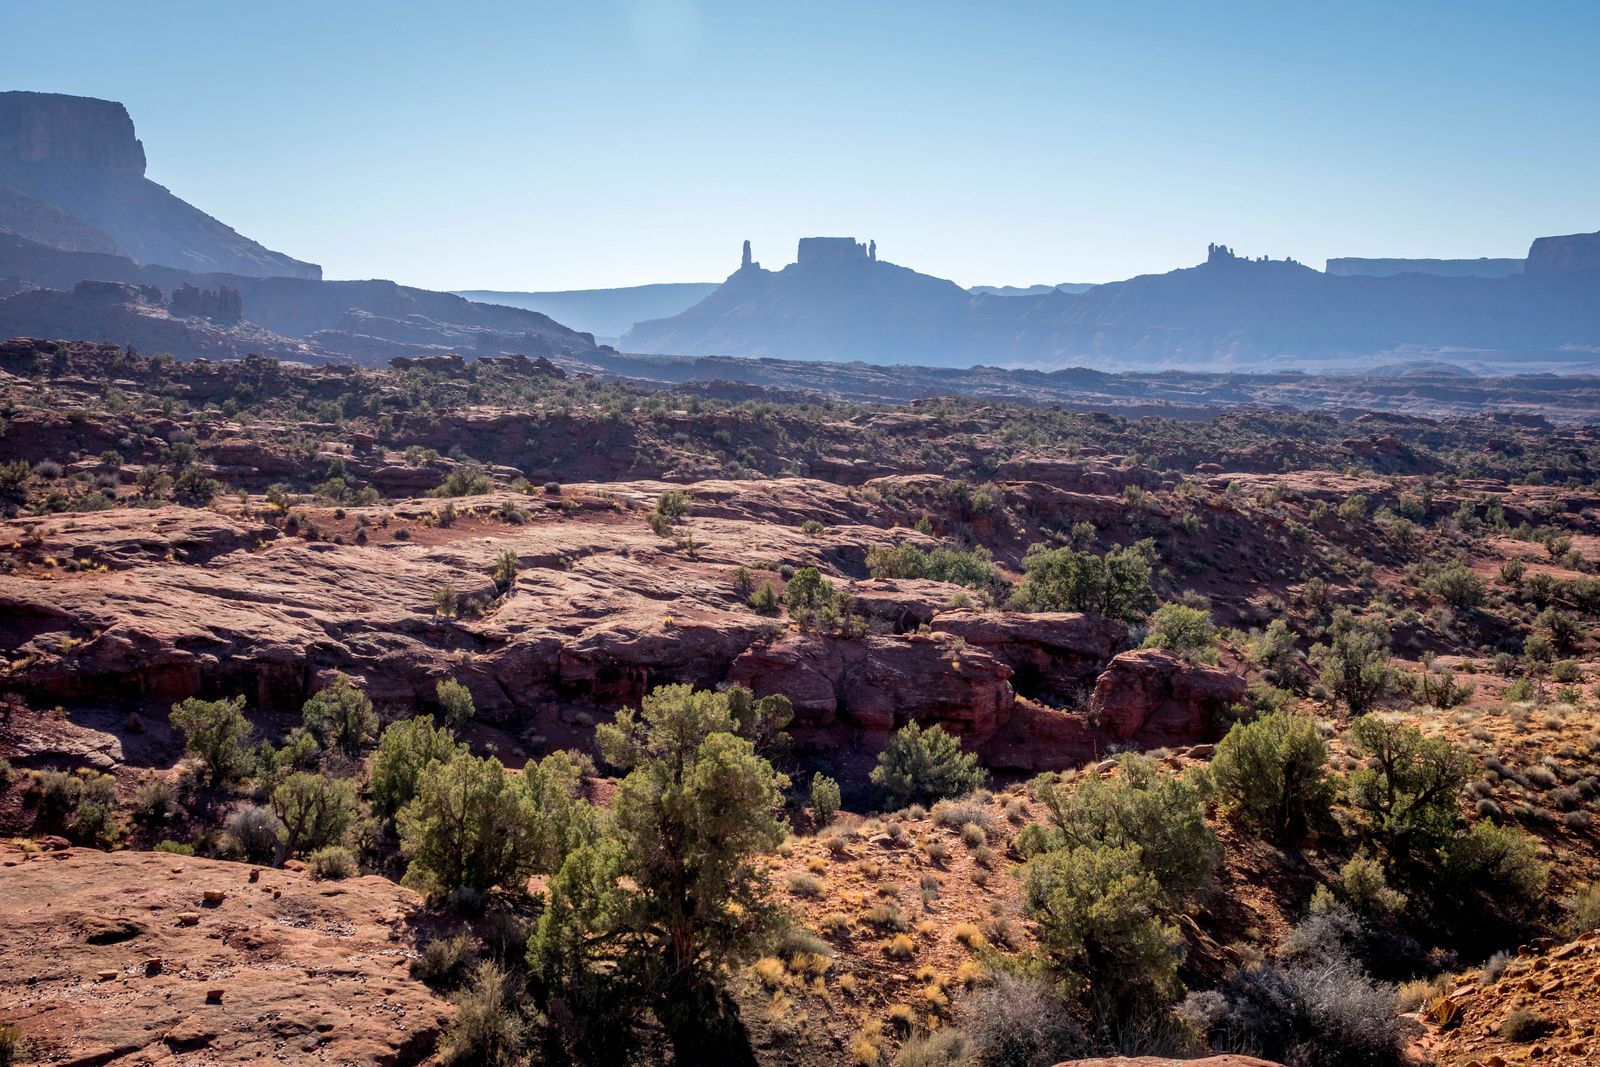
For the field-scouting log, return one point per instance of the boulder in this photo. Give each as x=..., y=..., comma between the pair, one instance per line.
x=1152, y=698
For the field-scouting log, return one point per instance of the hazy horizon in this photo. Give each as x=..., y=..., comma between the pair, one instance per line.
x=640, y=142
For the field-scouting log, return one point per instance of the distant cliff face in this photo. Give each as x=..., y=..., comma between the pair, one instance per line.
x=72, y=177
x=838, y=304
x=838, y=301
x=1562, y=255
x=1352, y=266
x=47, y=127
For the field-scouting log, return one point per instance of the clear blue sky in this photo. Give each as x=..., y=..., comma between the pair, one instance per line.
x=610, y=142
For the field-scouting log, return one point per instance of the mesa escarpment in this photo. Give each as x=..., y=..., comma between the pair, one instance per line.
x=79, y=157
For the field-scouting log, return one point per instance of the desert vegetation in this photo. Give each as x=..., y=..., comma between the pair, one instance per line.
x=775, y=729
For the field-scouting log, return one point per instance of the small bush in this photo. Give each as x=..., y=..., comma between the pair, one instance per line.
x=1319, y=1015
x=332, y=863
x=885, y=916
x=1184, y=630
x=824, y=799
x=6, y=775
x=487, y=1027
x=341, y=715
x=802, y=884
x=1524, y=1025
x=253, y=831
x=156, y=800
x=1583, y=911
x=444, y=962
x=924, y=765
x=1021, y=1022
x=969, y=935
x=946, y=1047
x=176, y=848
x=1273, y=772
x=455, y=703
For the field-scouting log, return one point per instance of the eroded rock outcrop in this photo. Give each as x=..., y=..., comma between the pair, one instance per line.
x=876, y=684
x=121, y=956
x=1151, y=698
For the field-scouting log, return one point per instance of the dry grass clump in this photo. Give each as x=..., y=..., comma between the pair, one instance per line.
x=834, y=924
x=957, y=814
x=969, y=935
x=770, y=971
x=886, y=916
x=802, y=884
x=899, y=947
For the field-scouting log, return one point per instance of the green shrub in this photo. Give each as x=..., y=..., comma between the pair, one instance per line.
x=340, y=715
x=824, y=799
x=1495, y=871
x=674, y=503
x=924, y=765
x=332, y=863
x=1354, y=664
x=464, y=481
x=1116, y=585
x=1098, y=916
x=1276, y=651
x=1455, y=585
x=1159, y=815
x=765, y=599
x=6, y=775
x=973, y=569
x=1184, y=630
x=404, y=750
x=315, y=810
x=812, y=599
x=1405, y=796
x=455, y=703
x=176, y=848
x=1273, y=772
x=215, y=732
x=470, y=826
x=1434, y=687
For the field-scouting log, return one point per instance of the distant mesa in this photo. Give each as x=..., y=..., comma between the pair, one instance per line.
x=72, y=177
x=1355, y=266
x=839, y=302
x=1573, y=253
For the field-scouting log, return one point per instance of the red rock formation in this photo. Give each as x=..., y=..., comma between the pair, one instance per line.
x=1152, y=698
x=876, y=684
x=151, y=957
x=1053, y=655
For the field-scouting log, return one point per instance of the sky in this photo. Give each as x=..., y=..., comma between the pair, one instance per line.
x=598, y=143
